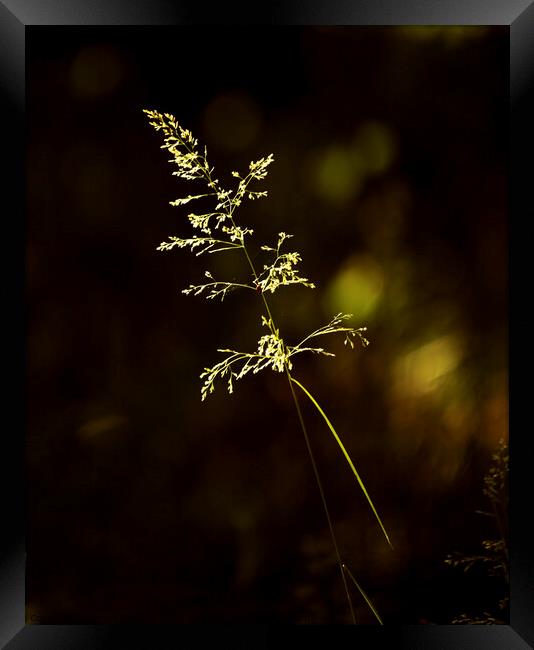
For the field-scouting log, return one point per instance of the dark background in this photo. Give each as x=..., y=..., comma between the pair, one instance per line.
x=390, y=150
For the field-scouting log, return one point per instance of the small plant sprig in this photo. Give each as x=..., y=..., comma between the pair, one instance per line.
x=216, y=231
x=494, y=555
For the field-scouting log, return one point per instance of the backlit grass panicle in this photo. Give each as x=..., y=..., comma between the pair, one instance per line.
x=282, y=271
x=219, y=232
x=214, y=231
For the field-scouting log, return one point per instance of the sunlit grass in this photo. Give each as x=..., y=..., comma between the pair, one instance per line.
x=216, y=231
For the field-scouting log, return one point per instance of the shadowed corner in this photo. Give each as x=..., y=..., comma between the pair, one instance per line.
x=474, y=637
x=12, y=63
x=52, y=637
x=521, y=54
x=521, y=446
x=108, y=12
x=12, y=58
x=12, y=592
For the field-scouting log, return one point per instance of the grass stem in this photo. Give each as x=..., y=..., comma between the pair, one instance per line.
x=321, y=491
x=362, y=592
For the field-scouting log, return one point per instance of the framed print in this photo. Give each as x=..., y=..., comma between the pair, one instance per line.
x=259, y=339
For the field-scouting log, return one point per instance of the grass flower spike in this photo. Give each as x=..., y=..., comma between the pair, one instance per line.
x=215, y=230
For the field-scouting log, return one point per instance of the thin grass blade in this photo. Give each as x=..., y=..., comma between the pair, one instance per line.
x=338, y=440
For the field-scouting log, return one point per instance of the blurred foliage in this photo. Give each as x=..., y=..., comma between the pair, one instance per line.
x=391, y=151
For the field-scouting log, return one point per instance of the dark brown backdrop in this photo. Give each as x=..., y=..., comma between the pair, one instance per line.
x=390, y=150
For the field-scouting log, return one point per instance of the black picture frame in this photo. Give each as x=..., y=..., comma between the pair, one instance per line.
x=15, y=18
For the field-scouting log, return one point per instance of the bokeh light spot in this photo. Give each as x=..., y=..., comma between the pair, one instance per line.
x=420, y=371
x=339, y=174
x=356, y=288
x=375, y=143
x=96, y=70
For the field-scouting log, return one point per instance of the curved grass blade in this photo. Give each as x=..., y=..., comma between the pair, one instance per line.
x=331, y=427
x=362, y=592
